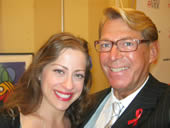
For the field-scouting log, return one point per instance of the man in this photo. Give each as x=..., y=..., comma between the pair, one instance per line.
x=128, y=45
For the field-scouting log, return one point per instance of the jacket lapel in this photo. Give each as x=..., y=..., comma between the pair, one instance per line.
x=146, y=101
x=96, y=100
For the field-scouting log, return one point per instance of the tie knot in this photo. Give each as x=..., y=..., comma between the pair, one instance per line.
x=117, y=107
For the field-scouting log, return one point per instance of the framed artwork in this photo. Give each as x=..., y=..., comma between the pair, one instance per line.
x=12, y=66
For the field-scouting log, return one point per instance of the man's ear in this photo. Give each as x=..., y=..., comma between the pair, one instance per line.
x=154, y=51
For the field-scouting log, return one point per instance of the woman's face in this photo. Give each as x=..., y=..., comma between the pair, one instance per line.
x=62, y=80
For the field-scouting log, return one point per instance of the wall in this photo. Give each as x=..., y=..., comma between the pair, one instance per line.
x=17, y=26
x=47, y=20
x=123, y=3
x=161, y=18
x=76, y=17
x=1, y=22
x=26, y=25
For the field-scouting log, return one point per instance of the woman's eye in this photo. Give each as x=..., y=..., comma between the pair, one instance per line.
x=59, y=71
x=80, y=76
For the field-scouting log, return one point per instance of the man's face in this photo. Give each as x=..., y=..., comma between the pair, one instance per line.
x=126, y=71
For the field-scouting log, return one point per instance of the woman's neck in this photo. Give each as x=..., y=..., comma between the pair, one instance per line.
x=40, y=120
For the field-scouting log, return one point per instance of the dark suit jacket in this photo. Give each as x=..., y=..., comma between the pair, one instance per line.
x=153, y=99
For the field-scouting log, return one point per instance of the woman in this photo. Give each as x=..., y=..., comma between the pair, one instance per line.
x=51, y=92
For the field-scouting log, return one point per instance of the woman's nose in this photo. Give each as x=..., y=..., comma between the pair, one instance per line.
x=68, y=83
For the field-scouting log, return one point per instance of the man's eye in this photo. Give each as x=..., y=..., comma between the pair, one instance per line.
x=105, y=45
x=128, y=43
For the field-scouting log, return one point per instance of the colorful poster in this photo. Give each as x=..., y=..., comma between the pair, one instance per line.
x=10, y=72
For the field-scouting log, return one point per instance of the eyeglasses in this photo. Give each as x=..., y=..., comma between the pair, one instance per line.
x=123, y=45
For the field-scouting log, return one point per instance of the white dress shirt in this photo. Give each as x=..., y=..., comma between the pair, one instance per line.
x=103, y=113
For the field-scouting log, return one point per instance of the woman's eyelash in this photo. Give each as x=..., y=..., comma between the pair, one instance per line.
x=80, y=75
x=58, y=71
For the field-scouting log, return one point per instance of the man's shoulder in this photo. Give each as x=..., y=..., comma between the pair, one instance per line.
x=161, y=92
x=166, y=94
x=95, y=100
x=103, y=92
x=153, y=82
x=97, y=97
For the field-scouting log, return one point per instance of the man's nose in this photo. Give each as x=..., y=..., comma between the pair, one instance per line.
x=114, y=52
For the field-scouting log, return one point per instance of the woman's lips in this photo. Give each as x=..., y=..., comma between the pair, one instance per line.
x=64, y=96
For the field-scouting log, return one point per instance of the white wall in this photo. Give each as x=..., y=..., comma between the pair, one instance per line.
x=161, y=17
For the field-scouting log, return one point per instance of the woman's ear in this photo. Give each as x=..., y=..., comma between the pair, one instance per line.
x=154, y=51
x=39, y=78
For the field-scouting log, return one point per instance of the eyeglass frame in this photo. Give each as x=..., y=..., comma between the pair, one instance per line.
x=138, y=41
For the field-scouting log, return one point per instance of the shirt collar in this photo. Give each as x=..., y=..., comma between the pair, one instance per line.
x=126, y=101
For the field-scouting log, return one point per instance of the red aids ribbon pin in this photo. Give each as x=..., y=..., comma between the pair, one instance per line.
x=138, y=115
